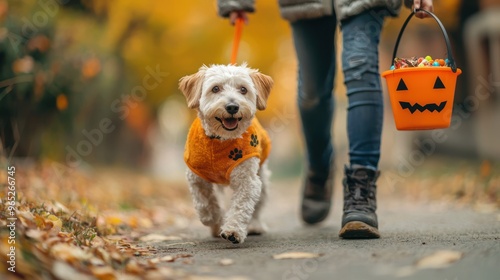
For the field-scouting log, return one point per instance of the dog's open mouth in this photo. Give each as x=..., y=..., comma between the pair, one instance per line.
x=229, y=124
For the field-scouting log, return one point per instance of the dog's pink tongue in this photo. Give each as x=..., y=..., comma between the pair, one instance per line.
x=230, y=123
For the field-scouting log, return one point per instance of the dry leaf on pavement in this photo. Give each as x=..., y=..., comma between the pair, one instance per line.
x=439, y=259
x=296, y=255
x=226, y=261
x=153, y=237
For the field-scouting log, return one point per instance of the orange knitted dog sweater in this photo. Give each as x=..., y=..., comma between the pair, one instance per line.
x=213, y=159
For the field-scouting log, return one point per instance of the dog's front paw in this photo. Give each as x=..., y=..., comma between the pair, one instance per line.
x=233, y=236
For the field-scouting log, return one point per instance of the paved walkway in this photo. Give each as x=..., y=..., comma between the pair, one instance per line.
x=415, y=235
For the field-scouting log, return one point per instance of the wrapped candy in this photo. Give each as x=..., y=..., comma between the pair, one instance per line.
x=426, y=61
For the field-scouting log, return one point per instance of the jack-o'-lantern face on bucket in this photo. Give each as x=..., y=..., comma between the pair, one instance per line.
x=431, y=107
x=421, y=98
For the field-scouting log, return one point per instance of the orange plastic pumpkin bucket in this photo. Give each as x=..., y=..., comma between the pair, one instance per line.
x=422, y=97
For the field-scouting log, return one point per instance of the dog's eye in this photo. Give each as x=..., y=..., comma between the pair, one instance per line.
x=243, y=90
x=215, y=89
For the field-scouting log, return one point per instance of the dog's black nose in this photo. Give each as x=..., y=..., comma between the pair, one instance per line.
x=232, y=108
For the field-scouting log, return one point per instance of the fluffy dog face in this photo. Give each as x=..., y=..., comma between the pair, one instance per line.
x=226, y=97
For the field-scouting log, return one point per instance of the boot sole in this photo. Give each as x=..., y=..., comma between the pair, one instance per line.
x=358, y=230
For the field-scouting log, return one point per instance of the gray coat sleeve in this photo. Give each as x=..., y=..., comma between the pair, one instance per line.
x=225, y=7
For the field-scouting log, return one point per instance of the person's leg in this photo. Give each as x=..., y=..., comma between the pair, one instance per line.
x=361, y=36
x=315, y=47
x=360, y=64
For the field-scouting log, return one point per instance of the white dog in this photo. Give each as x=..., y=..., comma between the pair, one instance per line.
x=227, y=146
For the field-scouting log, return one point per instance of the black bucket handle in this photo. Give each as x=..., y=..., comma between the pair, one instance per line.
x=451, y=61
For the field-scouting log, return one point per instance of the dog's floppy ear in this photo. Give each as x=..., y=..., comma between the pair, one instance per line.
x=263, y=84
x=191, y=87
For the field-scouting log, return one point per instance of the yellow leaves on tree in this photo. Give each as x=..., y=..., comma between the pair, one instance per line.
x=181, y=36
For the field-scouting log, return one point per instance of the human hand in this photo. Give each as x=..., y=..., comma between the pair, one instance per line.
x=425, y=5
x=239, y=14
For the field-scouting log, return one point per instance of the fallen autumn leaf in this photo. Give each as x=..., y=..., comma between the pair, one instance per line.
x=296, y=255
x=226, y=261
x=153, y=237
x=439, y=259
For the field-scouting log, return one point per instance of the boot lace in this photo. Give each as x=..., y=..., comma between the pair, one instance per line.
x=360, y=194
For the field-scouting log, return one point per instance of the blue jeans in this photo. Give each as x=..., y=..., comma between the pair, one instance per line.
x=314, y=41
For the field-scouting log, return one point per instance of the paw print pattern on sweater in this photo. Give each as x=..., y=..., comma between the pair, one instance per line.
x=236, y=154
x=255, y=141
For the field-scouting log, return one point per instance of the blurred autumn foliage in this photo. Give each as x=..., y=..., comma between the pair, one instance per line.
x=73, y=71
x=69, y=64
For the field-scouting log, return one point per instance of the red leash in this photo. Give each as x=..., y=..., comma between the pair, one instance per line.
x=238, y=28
